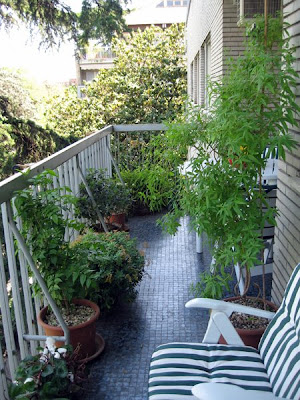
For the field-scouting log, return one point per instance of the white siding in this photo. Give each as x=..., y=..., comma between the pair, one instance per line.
x=205, y=18
x=216, y=20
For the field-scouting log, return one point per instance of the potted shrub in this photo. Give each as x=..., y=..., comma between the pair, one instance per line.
x=116, y=262
x=112, y=198
x=41, y=208
x=250, y=111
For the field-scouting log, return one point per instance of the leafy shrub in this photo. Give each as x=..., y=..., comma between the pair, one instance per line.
x=151, y=187
x=111, y=196
x=118, y=264
x=147, y=84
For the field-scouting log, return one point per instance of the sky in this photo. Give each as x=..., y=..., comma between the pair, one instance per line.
x=19, y=50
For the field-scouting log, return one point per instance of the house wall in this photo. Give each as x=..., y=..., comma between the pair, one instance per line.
x=216, y=20
x=287, y=233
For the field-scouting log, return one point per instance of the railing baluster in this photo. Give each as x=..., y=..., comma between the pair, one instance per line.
x=6, y=320
x=12, y=266
x=3, y=382
x=30, y=319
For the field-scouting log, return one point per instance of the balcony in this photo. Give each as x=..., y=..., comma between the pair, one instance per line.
x=132, y=331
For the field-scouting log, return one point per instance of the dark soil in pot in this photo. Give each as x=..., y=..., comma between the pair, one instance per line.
x=250, y=328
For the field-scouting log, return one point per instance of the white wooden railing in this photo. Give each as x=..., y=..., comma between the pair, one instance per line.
x=19, y=308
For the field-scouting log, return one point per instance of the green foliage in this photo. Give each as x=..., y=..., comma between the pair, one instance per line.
x=55, y=21
x=153, y=178
x=150, y=187
x=15, y=98
x=117, y=262
x=48, y=375
x=147, y=84
x=110, y=195
x=211, y=285
x=22, y=141
x=251, y=110
x=41, y=208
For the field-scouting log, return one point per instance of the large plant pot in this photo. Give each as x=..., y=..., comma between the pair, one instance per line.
x=250, y=337
x=118, y=221
x=83, y=334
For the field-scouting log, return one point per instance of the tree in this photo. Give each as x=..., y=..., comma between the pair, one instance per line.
x=15, y=98
x=147, y=84
x=55, y=20
x=21, y=139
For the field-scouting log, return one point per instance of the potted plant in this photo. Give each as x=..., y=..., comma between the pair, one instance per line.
x=51, y=374
x=112, y=199
x=250, y=111
x=117, y=263
x=41, y=207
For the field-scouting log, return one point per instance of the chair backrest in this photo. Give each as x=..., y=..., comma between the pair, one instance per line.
x=280, y=344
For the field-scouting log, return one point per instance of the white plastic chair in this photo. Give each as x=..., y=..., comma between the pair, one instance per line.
x=207, y=370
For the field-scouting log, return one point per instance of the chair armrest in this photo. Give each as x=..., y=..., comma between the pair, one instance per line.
x=228, y=308
x=213, y=391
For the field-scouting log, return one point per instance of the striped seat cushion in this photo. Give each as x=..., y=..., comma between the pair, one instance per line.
x=280, y=344
x=176, y=367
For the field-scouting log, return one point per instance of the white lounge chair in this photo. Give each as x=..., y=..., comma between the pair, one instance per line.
x=210, y=371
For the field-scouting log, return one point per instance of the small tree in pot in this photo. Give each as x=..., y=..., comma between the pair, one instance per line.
x=250, y=111
x=41, y=208
x=112, y=197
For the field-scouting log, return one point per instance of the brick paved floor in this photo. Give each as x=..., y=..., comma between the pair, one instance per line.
x=133, y=331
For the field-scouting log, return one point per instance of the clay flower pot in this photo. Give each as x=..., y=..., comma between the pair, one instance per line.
x=250, y=337
x=83, y=334
x=118, y=220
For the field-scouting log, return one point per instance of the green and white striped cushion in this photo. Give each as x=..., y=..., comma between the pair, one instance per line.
x=176, y=367
x=280, y=344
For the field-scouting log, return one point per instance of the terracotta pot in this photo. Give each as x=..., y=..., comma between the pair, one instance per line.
x=250, y=337
x=83, y=334
x=118, y=219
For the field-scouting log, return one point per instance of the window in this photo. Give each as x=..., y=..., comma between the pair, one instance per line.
x=205, y=71
x=172, y=3
x=249, y=8
x=195, y=79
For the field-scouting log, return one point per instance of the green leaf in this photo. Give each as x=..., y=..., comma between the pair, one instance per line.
x=48, y=370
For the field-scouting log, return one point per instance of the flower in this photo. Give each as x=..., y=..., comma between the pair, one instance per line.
x=45, y=351
x=62, y=350
x=27, y=380
x=56, y=354
x=43, y=359
x=71, y=377
x=50, y=344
